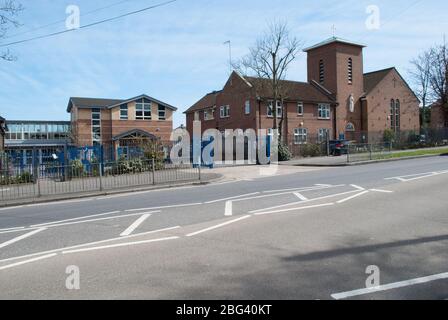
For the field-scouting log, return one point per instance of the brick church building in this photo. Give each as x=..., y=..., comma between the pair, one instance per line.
x=338, y=99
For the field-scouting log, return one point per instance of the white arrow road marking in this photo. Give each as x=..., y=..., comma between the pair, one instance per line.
x=417, y=176
x=357, y=187
x=218, y=226
x=353, y=197
x=300, y=196
x=27, y=261
x=126, y=244
x=24, y=236
x=396, y=285
x=294, y=209
x=135, y=225
x=302, y=202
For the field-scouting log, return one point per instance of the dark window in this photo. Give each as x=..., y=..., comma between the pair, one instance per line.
x=124, y=112
x=162, y=113
x=321, y=71
x=350, y=70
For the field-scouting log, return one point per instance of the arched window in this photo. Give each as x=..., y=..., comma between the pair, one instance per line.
x=350, y=70
x=350, y=127
x=392, y=114
x=321, y=72
x=397, y=115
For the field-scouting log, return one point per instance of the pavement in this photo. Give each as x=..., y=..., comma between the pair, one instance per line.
x=309, y=234
x=332, y=161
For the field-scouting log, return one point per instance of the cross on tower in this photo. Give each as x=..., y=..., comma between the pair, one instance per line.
x=333, y=28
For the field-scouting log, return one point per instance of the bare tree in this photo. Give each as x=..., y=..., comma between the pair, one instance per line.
x=421, y=75
x=9, y=9
x=269, y=61
x=439, y=73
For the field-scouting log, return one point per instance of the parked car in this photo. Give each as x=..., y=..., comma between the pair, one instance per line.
x=339, y=147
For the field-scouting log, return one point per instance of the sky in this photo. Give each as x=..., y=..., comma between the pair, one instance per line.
x=177, y=54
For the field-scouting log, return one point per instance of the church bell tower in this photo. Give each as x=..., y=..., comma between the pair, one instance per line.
x=337, y=65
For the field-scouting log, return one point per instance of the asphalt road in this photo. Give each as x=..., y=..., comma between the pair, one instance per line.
x=309, y=235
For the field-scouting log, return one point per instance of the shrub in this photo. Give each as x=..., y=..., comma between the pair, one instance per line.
x=77, y=168
x=283, y=153
x=389, y=136
x=310, y=150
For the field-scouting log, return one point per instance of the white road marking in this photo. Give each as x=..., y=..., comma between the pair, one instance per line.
x=317, y=187
x=166, y=207
x=89, y=244
x=10, y=208
x=218, y=226
x=75, y=219
x=57, y=202
x=22, y=237
x=229, y=209
x=302, y=202
x=9, y=266
x=300, y=196
x=381, y=191
x=357, y=187
x=135, y=225
x=99, y=219
x=417, y=176
x=293, y=209
x=353, y=197
x=391, y=286
x=12, y=229
x=126, y=244
x=2, y=190
x=231, y=198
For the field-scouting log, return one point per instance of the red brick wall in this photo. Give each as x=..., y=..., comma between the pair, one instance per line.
x=335, y=57
x=379, y=100
x=439, y=117
x=111, y=128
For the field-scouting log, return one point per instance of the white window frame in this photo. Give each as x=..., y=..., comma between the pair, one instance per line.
x=300, y=108
x=124, y=107
x=322, y=133
x=145, y=108
x=300, y=136
x=161, y=110
x=324, y=111
x=224, y=112
x=247, y=107
x=208, y=114
x=269, y=110
x=96, y=112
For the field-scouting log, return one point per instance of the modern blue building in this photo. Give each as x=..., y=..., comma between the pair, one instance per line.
x=36, y=142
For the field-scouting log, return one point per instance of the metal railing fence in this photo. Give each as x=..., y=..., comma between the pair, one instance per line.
x=77, y=178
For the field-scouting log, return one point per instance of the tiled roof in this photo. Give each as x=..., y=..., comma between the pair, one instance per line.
x=208, y=101
x=298, y=91
x=372, y=79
